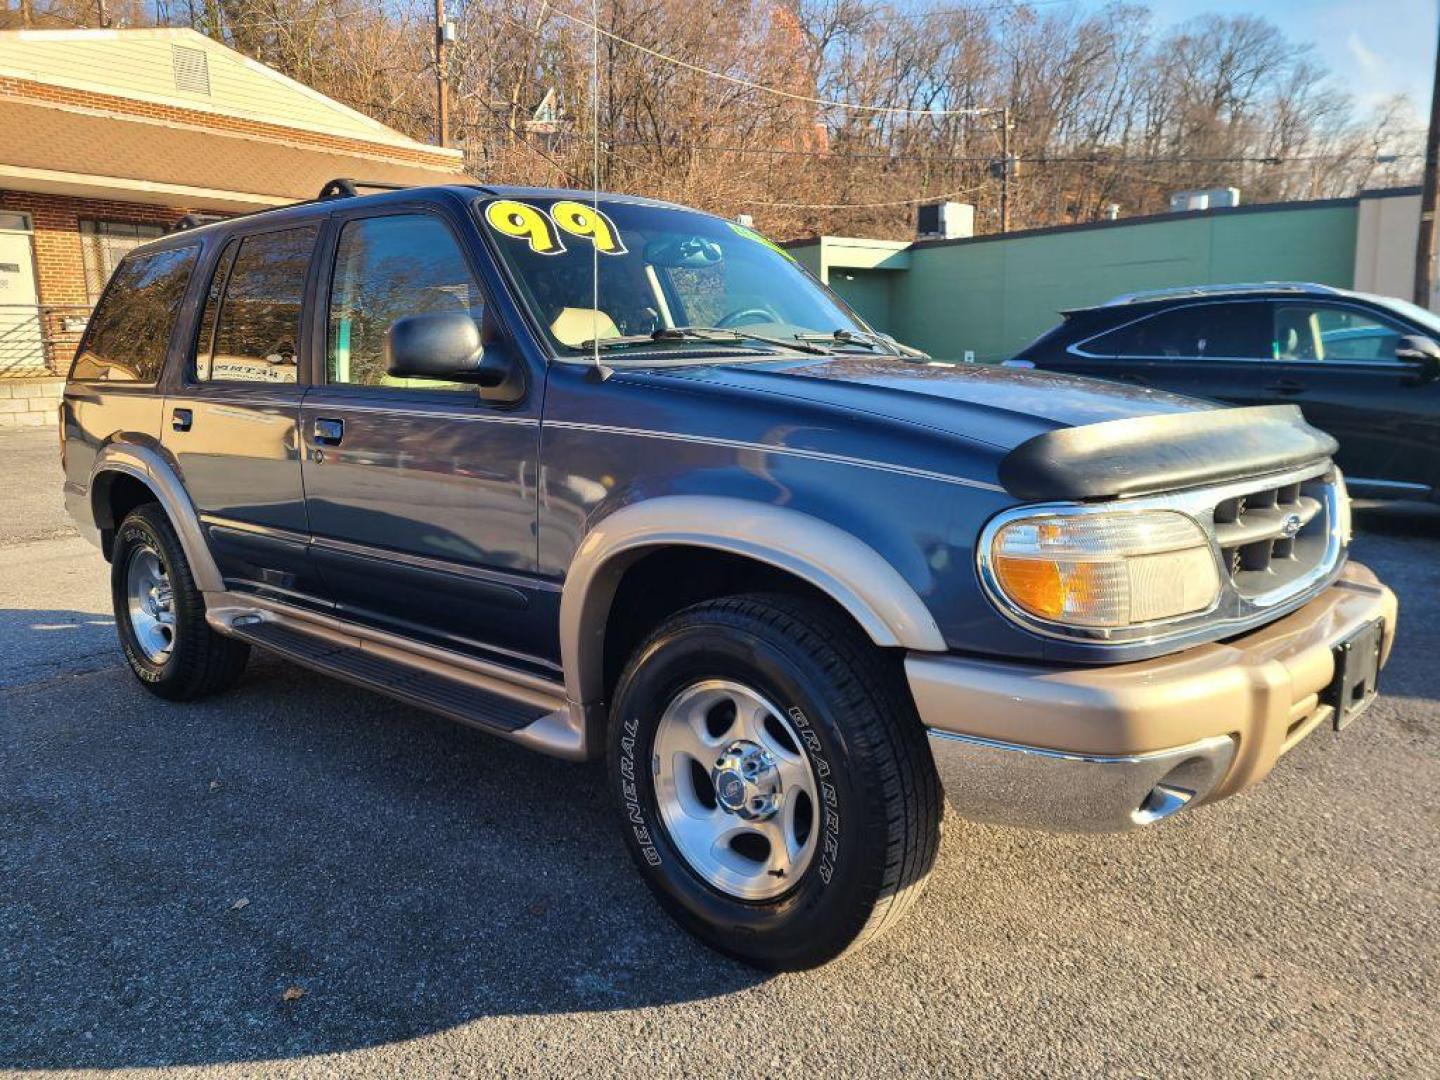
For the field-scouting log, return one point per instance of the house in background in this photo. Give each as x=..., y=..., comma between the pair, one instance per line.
x=109, y=137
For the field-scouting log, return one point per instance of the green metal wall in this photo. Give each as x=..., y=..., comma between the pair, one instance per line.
x=868, y=292
x=992, y=296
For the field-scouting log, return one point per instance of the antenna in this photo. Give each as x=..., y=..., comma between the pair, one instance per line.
x=595, y=177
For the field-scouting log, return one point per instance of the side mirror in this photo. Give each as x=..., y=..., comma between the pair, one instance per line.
x=1417, y=349
x=442, y=345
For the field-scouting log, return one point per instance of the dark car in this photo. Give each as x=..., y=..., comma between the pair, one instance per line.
x=1364, y=368
x=692, y=517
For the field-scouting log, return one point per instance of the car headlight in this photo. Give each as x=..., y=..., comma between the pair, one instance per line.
x=1105, y=568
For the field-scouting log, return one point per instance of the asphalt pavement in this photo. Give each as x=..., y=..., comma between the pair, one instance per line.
x=304, y=879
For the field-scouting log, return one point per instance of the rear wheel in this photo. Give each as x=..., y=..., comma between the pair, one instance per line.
x=160, y=613
x=778, y=793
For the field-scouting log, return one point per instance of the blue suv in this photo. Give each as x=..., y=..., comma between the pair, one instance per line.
x=619, y=480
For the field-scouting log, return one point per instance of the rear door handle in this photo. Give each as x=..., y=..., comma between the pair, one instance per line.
x=1285, y=386
x=328, y=431
x=181, y=419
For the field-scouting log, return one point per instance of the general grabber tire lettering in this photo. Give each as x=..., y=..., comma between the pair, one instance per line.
x=160, y=613
x=723, y=723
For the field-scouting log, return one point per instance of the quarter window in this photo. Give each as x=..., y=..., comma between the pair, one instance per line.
x=250, y=329
x=386, y=268
x=1320, y=332
x=1194, y=332
x=130, y=330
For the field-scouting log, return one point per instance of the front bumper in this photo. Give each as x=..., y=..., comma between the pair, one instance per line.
x=1104, y=749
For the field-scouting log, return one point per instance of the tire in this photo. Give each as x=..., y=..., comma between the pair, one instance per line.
x=875, y=819
x=160, y=613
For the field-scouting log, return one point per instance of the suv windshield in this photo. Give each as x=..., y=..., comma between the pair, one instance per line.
x=661, y=270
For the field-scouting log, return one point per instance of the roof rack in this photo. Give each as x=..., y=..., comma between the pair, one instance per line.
x=195, y=221
x=1146, y=295
x=343, y=187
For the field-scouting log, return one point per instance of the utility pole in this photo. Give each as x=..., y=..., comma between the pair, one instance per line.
x=1425, y=242
x=442, y=82
x=1005, y=169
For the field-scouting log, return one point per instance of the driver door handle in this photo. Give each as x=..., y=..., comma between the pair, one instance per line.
x=328, y=431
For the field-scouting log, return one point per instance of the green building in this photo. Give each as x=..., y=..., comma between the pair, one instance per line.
x=984, y=297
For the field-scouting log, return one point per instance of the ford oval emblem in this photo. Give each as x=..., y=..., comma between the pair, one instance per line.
x=1291, y=526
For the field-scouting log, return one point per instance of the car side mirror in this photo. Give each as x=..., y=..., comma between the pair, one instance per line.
x=443, y=345
x=1418, y=349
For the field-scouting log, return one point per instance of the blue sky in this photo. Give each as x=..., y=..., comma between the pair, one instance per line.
x=1374, y=47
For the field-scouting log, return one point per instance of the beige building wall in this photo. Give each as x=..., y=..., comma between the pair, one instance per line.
x=1385, y=235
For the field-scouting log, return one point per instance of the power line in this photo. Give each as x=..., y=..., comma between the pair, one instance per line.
x=866, y=205
x=750, y=84
x=1013, y=5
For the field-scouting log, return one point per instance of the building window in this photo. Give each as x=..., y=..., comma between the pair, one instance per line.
x=104, y=243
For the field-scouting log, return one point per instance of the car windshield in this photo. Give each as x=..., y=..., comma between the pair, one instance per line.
x=663, y=272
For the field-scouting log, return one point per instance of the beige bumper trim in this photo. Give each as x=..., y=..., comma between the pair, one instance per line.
x=1250, y=690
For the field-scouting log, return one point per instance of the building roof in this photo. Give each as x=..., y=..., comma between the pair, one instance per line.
x=171, y=116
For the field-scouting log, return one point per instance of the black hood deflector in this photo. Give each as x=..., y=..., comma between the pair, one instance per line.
x=1150, y=454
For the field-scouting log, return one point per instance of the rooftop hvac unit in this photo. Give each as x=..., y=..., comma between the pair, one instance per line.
x=944, y=221
x=1204, y=199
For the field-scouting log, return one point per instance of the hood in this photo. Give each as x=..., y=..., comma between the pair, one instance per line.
x=1000, y=406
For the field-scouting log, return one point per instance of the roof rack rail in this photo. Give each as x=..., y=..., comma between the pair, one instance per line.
x=342, y=187
x=195, y=221
x=1310, y=287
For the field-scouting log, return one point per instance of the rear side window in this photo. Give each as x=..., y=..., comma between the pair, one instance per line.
x=1195, y=332
x=130, y=330
x=250, y=329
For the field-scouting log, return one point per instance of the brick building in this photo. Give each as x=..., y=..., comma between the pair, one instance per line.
x=109, y=137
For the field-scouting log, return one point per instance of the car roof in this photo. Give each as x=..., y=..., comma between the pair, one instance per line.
x=349, y=193
x=1248, y=290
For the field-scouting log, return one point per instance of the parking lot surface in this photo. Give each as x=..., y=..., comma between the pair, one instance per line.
x=302, y=878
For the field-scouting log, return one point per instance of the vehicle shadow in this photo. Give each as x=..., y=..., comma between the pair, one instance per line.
x=297, y=867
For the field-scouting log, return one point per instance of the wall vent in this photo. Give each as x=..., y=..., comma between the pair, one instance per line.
x=192, y=69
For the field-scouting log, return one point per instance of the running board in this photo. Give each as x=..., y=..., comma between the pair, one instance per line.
x=512, y=704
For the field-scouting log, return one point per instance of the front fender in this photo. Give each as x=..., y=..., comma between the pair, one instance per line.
x=847, y=570
x=147, y=465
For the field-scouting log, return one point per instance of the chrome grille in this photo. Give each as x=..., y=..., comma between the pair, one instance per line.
x=1274, y=538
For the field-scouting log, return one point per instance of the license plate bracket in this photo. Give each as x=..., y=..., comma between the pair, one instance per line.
x=1357, y=671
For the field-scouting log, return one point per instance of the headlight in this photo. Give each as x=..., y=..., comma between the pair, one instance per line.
x=1105, y=569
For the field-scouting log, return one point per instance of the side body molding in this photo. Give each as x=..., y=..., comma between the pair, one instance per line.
x=849, y=571
x=148, y=466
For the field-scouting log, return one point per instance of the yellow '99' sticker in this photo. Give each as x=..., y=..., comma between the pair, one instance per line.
x=578, y=219
x=521, y=221
x=524, y=221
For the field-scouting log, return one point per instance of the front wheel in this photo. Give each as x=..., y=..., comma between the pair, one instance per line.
x=776, y=786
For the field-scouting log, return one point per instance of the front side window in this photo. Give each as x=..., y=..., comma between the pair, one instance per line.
x=130, y=330
x=658, y=268
x=1327, y=332
x=387, y=268
x=103, y=244
x=1194, y=332
x=250, y=329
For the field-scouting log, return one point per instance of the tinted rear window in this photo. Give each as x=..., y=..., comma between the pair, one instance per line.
x=1194, y=332
x=130, y=329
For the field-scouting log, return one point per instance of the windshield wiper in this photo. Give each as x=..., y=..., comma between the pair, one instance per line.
x=854, y=337
x=719, y=335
